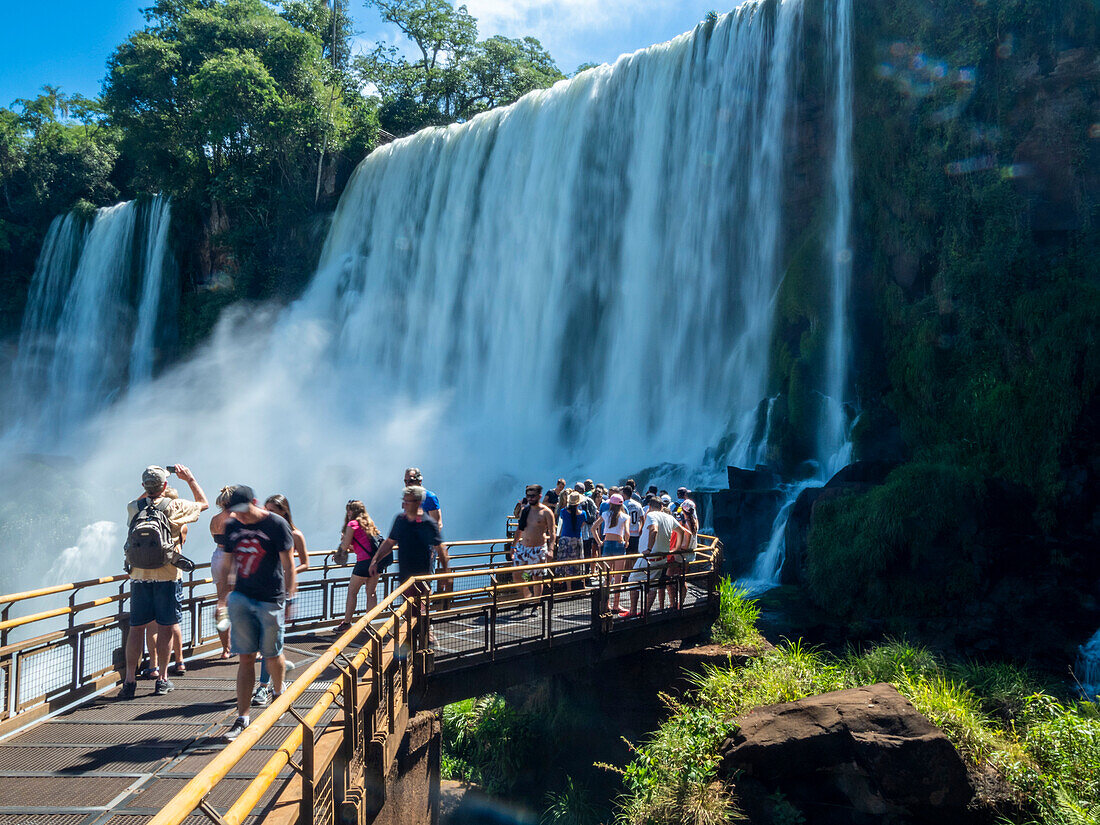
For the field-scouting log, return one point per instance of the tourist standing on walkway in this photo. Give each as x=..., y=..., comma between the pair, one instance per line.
x=593, y=502
x=441, y=562
x=590, y=514
x=415, y=534
x=659, y=529
x=280, y=506
x=534, y=539
x=220, y=568
x=612, y=534
x=260, y=543
x=364, y=538
x=572, y=522
x=687, y=515
x=634, y=515
x=156, y=594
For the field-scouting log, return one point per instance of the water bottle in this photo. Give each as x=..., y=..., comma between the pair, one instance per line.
x=221, y=619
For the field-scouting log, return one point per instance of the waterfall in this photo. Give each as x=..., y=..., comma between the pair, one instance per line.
x=1087, y=669
x=82, y=340
x=582, y=283
x=154, y=251
x=834, y=447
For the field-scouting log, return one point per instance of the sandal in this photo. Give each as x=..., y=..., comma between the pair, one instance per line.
x=149, y=673
x=340, y=628
x=177, y=670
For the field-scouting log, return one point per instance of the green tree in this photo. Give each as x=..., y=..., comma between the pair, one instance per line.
x=56, y=151
x=239, y=111
x=455, y=76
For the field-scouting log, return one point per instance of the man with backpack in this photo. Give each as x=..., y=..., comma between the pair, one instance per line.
x=156, y=526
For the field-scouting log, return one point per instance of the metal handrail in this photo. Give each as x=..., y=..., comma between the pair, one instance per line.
x=382, y=658
x=194, y=792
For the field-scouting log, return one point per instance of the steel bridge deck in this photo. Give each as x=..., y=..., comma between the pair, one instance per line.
x=109, y=762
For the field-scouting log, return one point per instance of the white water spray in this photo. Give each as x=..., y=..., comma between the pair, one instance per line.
x=581, y=283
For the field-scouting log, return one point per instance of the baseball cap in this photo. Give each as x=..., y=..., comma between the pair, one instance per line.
x=154, y=478
x=616, y=499
x=240, y=498
x=682, y=491
x=688, y=505
x=666, y=500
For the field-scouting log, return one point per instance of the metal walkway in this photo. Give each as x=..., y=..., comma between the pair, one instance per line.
x=162, y=759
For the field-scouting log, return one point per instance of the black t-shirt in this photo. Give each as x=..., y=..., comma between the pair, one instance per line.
x=256, y=549
x=415, y=540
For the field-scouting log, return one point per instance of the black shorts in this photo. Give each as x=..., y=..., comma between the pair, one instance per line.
x=632, y=548
x=362, y=568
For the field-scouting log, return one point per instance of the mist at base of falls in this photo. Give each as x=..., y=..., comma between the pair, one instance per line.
x=582, y=284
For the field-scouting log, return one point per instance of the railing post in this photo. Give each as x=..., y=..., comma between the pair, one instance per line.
x=493, y=626
x=5, y=615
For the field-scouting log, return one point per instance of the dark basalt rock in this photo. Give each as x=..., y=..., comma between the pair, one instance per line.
x=743, y=520
x=761, y=478
x=866, y=753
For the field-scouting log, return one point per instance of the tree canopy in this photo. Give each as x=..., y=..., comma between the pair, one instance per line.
x=455, y=76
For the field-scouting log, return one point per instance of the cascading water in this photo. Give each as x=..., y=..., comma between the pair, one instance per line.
x=1087, y=668
x=154, y=252
x=833, y=444
x=582, y=282
x=82, y=339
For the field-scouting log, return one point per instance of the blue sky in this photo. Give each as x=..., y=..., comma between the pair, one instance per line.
x=66, y=43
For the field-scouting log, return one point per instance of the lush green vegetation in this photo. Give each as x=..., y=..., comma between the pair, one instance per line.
x=976, y=229
x=737, y=615
x=455, y=76
x=520, y=749
x=251, y=115
x=1047, y=752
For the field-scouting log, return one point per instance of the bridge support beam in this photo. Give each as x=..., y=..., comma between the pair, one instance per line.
x=403, y=788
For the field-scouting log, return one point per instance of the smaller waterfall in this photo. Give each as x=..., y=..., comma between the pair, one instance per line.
x=154, y=251
x=1087, y=669
x=83, y=339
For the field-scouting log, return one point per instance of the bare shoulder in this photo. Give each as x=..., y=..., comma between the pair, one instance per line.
x=546, y=512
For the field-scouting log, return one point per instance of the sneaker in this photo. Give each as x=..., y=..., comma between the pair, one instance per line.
x=239, y=725
x=343, y=626
x=261, y=696
x=162, y=687
x=129, y=689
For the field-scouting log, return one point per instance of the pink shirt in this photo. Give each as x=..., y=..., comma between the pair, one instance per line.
x=361, y=541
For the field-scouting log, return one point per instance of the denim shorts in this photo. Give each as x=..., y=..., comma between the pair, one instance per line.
x=255, y=626
x=161, y=602
x=613, y=548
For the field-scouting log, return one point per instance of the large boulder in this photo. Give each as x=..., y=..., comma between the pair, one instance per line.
x=866, y=751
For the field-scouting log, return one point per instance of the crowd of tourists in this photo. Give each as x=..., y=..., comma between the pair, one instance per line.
x=593, y=520
x=259, y=554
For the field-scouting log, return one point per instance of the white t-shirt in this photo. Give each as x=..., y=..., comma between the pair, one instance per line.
x=620, y=531
x=666, y=526
x=634, y=511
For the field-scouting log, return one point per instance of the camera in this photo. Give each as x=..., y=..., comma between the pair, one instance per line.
x=171, y=468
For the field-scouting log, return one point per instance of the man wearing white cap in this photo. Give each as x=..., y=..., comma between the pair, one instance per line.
x=156, y=594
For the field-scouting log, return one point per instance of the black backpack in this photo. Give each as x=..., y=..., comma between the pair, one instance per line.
x=149, y=542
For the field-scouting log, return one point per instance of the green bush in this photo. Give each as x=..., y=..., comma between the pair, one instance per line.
x=487, y=742
x=737, y=616
x=876, y=553
x=1049, y=755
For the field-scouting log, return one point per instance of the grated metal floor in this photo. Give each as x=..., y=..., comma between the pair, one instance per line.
x=108, y=762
